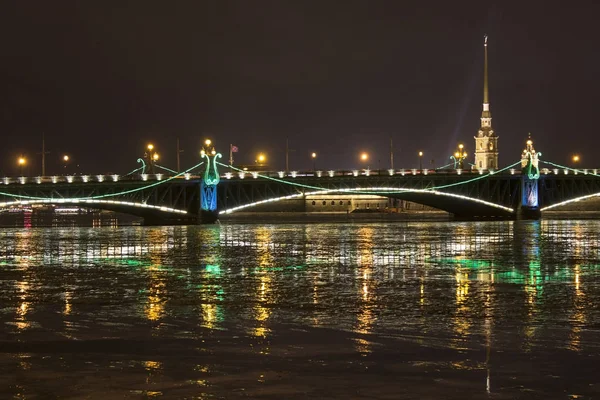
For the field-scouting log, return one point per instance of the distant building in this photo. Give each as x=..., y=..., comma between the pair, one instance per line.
x=486, y=141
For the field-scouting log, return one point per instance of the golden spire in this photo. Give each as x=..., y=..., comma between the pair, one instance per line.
x=485, y=73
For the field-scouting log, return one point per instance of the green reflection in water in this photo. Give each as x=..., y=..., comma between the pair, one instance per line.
x=213, y=269
x=462, y=262
x=278, y=269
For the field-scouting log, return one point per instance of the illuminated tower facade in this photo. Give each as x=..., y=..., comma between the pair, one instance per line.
x=486, y=141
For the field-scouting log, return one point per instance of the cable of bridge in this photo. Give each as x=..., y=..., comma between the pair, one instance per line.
x=585, y=172
x=370, y=192
x=165, y=168
x=20, y=196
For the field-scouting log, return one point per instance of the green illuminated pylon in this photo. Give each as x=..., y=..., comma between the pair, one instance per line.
x=530, y=174
x=208, y=185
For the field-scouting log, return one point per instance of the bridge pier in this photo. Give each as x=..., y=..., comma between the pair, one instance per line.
x=529, y=207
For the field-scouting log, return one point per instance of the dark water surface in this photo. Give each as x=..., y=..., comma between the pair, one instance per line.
x=421, y=310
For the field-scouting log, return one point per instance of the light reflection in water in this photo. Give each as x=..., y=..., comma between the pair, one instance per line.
x=463, y=279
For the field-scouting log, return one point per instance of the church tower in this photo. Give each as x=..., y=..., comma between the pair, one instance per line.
x=486, y=141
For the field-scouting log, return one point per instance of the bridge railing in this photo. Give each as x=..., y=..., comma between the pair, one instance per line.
x=242, y=174
x=57, y=179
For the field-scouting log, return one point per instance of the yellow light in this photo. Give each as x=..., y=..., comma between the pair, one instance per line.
x=261, y=158
x=364, y=156
x=155, y=156
x=576, y=158
x=65, y=158
x=213, y=152
x=202, y=153
x=314, y=155
x=464, y=154
x=150, y=147
x=207, y=142
x=460, y=146
x=420, y=154
x=529, y=142
x=22, y=161
x=456, y=154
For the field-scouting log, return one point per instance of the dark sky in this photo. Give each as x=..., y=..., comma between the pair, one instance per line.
x=102, y=78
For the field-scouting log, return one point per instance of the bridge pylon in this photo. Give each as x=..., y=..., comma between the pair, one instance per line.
x=208, y=185
x=530, y=173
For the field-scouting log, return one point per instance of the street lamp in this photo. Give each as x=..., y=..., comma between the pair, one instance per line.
x=152, y=156
x=260, y=159
x=65, y=159
x=207, y=148
x=459, y=157
x=22, y=161
x=314, y=158
x=364, y=157
x=576, y=158
x=420, y=160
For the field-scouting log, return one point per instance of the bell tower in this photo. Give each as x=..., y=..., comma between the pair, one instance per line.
x=486, y=141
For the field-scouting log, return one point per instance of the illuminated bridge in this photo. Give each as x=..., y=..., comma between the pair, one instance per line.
x=178, y=199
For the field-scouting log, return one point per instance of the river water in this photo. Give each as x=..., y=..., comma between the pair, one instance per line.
x=379, y=310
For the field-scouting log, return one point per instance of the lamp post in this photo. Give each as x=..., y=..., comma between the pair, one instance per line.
x=364, y=157
x=261, y=159
x=459, y=157
x=420, y=160
x=575, y=159
x=313, y=155
x=152, y=156
x=65, y=159
x=21, y=161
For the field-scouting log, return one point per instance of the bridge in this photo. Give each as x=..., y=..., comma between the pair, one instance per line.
x=200, y=194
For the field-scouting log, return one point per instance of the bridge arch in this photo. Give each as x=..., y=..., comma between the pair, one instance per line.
x=456, y=204
x=579, y=199
x=152, y=214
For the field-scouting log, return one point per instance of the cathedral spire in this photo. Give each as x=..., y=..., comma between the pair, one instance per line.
x=486, y=99
x=486, y=141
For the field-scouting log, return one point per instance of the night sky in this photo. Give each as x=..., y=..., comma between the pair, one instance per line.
x=101, y=79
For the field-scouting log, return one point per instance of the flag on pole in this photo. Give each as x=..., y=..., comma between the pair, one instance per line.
x=234, y=149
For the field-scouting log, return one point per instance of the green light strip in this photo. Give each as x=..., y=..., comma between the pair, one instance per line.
x=133, y=172
x=569, y=168
x=445, y=166
x=165, y=168
x=273, y=179
x=474, y=179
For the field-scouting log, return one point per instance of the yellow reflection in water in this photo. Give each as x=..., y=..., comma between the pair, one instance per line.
x=155, y=305
x=24, y=307
x=463, y=310
x=578, y=318
x=211, y=315
x=261, y=312
x=67, y=308
x=152, y=365
x=264, y=242
x=365, y=316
